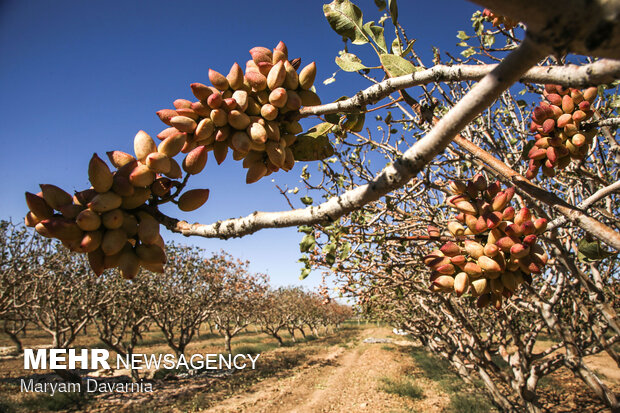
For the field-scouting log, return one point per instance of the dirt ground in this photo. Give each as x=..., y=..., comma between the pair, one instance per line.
x=341, y=381
x=337, y=373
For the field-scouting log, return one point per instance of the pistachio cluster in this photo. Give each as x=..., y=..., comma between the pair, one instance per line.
x=255, y=114
x=558, y=124
x=494, y=248
x=496, y=19
x=107, y=221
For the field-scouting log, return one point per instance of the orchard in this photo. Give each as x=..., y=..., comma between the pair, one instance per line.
x=470, y=200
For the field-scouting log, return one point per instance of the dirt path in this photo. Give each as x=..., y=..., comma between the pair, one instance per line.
x=342, y=379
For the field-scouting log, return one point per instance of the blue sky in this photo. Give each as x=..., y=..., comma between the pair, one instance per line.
x=78, y=77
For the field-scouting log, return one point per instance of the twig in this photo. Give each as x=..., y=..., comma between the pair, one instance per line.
x=283, y=193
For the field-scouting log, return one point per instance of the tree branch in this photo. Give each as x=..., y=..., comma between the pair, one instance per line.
x=602, y=71
x=588, y=27
x=607, y=122
x=598, y=195
x=572, y=213
x=393, y=176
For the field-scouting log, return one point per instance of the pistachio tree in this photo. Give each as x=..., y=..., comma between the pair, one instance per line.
x=470, y=199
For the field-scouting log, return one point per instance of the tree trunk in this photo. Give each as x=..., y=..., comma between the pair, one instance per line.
x=291, y=331
x=303, y=333
x=277, y=337
x=227, y=342
x=135, y=376
x=180, y=349
x=18, y=344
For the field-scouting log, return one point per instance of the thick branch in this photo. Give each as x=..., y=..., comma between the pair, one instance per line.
x=607, y=122
x=588, y=27
x=602, y=71
x=572, y=213
x=393, y=176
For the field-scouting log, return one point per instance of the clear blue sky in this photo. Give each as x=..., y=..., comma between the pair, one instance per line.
x=78, y=77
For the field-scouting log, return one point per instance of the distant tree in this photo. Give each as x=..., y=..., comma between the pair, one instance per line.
x=185, y=295
x=274, y=314
x=122, y=319
x=20, y=255
x=66, y=296
x=239, y=300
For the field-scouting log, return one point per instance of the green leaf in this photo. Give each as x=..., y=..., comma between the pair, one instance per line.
x=526, y=148
x=393, y=11
x=592, y=251
x=307, y=243
x=306, y=200
x=333, y=118
x=488, y=40
x=468, y=52
x=380, y=4
x=408, y=48
x=462, y=35
x=329, y=248
x=330, y=259
x=350, y=63
x=314, y=144
x=354, y=122
x=397, y=47
x=376, y=33
x=345, y=250
x=477, y=20
x=304, y=172
x=436, y=56
x=396, y=65
x=305, y=229
x=305, y=272
x=346, y=20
